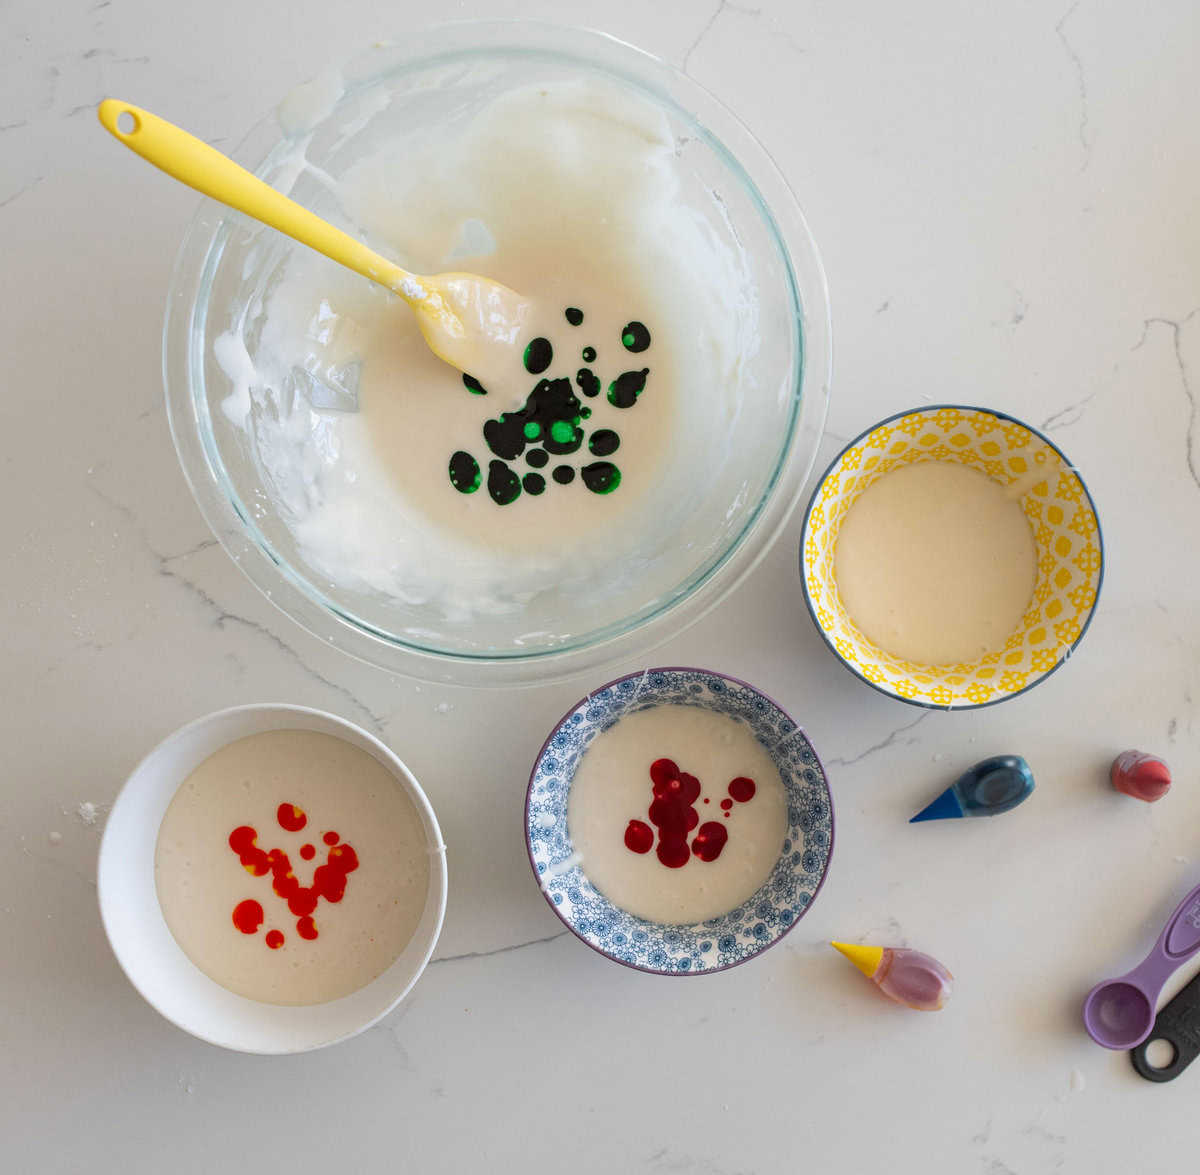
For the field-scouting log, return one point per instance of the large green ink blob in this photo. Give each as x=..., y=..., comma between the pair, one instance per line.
x=464, y=473
x=625, y=389
x=601, y=477
x=603, y=442
x=538, y=356
x=635, y=337
x=589, y=383
x=504, y=486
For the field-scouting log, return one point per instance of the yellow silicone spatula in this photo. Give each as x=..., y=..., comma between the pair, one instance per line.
x=463, y=317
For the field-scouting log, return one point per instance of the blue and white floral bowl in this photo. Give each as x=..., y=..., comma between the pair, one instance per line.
x=700, y=947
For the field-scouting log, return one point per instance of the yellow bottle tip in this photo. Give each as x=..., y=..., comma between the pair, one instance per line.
x=866, y=959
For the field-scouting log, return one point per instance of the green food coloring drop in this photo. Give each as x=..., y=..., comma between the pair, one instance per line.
x=574, y=316
x=561, y=431
x=601, y=477
x=537, y=457
x=503, y=485
x=473, y=385
x=603, y=442
x=538, y=355
x=464, y=473
x=635, y=337
x=584, y=413
x=534, y=483
x=588, y=381
x=564, y=475
x=532, y=430
x=625, y=389
x=589, y=354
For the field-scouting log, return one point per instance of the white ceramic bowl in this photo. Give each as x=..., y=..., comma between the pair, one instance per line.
x=147, y=951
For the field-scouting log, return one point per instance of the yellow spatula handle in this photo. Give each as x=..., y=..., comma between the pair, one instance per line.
x=200, y=166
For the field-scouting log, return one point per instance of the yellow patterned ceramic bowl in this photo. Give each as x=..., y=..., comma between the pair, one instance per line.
x=1061, y=515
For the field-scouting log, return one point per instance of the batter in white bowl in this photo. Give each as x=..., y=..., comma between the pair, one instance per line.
x=291, y=867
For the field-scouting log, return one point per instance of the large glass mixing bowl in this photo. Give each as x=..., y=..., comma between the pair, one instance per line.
x=227, y=265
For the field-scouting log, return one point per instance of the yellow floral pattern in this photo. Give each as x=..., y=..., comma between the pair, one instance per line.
x=1061, y=516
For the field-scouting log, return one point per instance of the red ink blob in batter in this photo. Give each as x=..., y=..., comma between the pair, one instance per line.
x=274, y=939
x=254, y=860
x=328, y=882
x=671, y=811
x=290, y=817
x=663, y=771
x=639, y=837
x=742, y=789
x=248, y=916
x=307, y=852
x=710, y=840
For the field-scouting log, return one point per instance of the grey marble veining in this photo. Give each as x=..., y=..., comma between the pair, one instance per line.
x=1005, y=199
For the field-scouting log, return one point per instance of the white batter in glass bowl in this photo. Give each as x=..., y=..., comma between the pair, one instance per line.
x=680, y=337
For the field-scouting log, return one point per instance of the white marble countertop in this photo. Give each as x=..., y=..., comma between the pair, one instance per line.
x=1005, y=196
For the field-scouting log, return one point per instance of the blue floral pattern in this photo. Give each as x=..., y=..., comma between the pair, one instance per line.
x=735, y=937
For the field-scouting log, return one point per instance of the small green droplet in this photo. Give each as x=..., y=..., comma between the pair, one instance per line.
x=533, y=430
x=589, y=354
x=562, y=431
x=574, y=315
x=473, y=385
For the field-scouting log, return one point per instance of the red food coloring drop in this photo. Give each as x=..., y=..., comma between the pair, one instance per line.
x=726, y=804
x=710, y=840
x=329, y=880
x=307, y=852
x=291, y=818
x=707, y=800
x=742, y=789
x=663, y=771
x=306, y=928
x=243, y=841
x=672, y=811
x=248, y=916
x=274, y=939
x=639, y=837
x=331, y=838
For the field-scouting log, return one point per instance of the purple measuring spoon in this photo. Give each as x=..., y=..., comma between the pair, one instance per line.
x=1119, y=1013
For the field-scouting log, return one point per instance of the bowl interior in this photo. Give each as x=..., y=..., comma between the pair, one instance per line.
x=154, y=961
x=720, y=942
x=757, y=455
x=1065, y=529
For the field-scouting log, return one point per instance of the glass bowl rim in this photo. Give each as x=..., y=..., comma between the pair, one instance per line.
x=185, y=322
